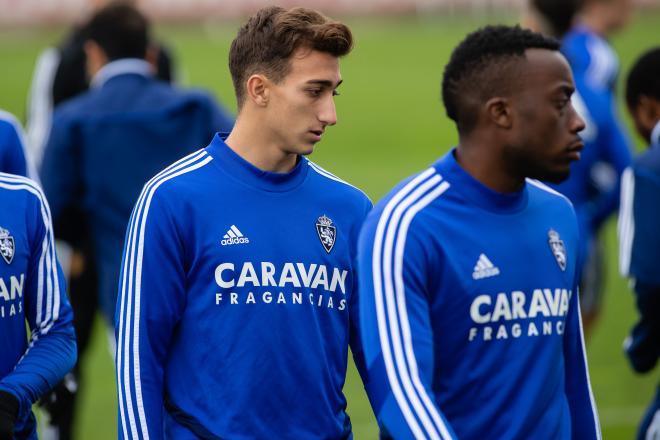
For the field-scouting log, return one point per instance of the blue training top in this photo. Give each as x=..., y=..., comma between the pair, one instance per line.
x=31, y=288
x=469, y=312
x=639, y=230
x=639, y=247
x=12, y=146
x=237, y=302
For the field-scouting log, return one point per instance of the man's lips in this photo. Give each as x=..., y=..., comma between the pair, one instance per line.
x=574, y=149
x=317, y=134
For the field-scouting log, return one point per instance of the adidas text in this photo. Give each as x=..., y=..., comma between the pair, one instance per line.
x=234, y=240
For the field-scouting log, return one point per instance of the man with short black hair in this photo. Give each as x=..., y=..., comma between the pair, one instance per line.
x=639, y=232
x=238, y=287
x=468, y=278
x=60, y=75
x=103, y=147
x=106, y=143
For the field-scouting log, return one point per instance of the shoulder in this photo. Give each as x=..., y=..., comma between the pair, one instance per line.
x=181, y=94
x=11, y=130
x=196, y=95
x=9, y=122
x=81, y=105
x=414, y=188
x=547, y=197
x=174, y=97
x=648, y=161
x=335, y=185
x=15, y=187
x=175, y=182
x=411, y=196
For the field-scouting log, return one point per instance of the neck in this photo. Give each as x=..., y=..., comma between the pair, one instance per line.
x=480, y=157
x=251, y=141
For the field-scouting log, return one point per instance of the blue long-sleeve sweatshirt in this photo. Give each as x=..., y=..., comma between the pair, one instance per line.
x=238, y=302
x=31, y=289
x=469, y=312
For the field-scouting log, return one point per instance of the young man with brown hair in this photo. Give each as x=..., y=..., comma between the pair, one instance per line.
x=238, y=279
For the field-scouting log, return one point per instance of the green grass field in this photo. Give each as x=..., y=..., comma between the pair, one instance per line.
x=391, y=124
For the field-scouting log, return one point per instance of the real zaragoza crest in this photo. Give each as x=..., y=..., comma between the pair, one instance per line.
x=327, y=232
x=6, y=245
x=558, y=248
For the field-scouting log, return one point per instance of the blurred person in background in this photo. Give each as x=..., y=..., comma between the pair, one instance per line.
x=32, y=291
x=639, y=227
x=551, y=17
x=593, y=185
x=61, y=74
x=13, y=159
x=103, y=145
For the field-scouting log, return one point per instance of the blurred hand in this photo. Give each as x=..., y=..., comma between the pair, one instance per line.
x=8, y=413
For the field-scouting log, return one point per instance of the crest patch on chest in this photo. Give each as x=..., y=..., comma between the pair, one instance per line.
x=327, y=232
x=557, y=247
x=7, y=246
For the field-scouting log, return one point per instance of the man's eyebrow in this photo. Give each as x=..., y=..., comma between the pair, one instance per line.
x=324, y=82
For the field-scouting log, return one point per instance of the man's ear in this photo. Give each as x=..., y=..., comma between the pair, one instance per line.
x=650, y=107
x=258, y=89
x=95, y=57
x=646, y=114
x=498, y=110
x=151, y=56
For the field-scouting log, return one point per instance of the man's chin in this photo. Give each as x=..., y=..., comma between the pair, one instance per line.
x=306, y=148
x=553, y=176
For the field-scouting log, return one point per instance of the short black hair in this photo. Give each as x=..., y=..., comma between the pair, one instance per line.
x=120, y=30
x=480, y=68
x=558, y=14
x=644, y=78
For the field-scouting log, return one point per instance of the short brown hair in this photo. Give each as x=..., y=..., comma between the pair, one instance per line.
x=265, y=43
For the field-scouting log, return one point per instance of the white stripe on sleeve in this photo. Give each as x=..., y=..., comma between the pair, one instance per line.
x=626, y=223
x=415, y=195
x=130, y=299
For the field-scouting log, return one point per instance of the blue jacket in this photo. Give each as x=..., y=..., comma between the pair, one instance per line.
x=105, y=144
x=469, y=312
x=31, y=289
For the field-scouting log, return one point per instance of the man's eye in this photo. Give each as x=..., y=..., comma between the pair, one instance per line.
x=314, y=92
